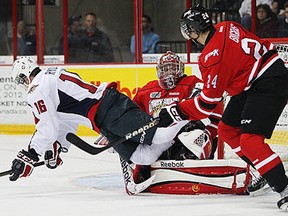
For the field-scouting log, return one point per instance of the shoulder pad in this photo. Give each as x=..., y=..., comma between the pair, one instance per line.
x=213, y=51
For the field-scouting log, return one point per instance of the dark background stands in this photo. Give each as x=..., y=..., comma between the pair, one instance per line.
x=96, y=45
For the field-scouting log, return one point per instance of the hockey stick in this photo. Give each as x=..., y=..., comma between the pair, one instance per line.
x=131, y=187
x=9, y=172
x=83, y=145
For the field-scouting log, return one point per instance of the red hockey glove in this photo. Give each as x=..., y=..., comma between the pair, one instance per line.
x=170, y=115
x=52, y=157
x=23, y=165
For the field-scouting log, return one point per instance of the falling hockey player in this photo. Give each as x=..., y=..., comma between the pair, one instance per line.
x=61, y=100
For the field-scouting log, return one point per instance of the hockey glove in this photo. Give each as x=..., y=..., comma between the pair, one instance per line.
x=198, y=142
x=52, y=157
x=170, y=115
x=23, y=165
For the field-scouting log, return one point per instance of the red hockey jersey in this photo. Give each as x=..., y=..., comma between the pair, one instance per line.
x=151, y=98
x=230, y=61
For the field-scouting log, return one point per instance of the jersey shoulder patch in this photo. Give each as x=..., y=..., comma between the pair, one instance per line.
x=213, y=51
x=211, y=56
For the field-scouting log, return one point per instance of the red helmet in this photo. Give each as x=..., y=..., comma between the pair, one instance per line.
x=169, y=69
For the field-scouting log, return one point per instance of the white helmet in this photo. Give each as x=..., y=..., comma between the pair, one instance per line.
x=21, y=69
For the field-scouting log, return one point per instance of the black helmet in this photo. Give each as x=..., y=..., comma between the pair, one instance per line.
x=195, y=19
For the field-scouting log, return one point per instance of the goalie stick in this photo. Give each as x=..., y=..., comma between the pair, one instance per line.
x=131, y=187
x=9, y=172
x=83, y=145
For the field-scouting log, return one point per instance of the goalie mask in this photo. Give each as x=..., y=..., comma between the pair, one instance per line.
x=22, y=69
x=169, y=70
x=196, y=20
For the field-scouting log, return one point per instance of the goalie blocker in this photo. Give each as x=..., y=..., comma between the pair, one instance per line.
x=200, y=177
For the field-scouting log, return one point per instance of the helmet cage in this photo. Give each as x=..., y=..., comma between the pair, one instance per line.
x=169, y=70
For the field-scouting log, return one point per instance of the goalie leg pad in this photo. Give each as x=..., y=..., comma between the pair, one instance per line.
x=200, y=177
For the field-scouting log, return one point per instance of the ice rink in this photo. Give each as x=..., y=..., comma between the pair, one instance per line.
x=92, y=185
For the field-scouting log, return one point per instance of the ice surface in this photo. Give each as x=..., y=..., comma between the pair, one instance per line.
x=92, y=185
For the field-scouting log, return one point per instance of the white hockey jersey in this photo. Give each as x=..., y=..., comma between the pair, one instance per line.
x=60, y=101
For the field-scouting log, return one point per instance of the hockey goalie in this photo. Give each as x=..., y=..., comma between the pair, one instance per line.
x=188, y=167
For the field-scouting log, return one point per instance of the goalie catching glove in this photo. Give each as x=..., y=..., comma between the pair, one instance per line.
x=52, y=157
x=169, y=115
x=23, y=165
x=198, y=142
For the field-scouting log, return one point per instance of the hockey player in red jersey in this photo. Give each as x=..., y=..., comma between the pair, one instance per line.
x=250, y=70
x=61, y=100
x=174, y=86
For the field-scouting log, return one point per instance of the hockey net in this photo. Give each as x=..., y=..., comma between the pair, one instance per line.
x=279, y=139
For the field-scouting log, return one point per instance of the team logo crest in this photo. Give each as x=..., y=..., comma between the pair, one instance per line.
x=215, y=52
x=155, y=95
x=195, y=188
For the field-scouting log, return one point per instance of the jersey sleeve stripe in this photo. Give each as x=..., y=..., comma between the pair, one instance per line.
x=199, y=108
x=213, y=100
x=216, y=115
x=213, y=126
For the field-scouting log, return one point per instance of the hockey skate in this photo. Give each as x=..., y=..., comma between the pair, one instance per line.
x=283, y=202
x=258, y=186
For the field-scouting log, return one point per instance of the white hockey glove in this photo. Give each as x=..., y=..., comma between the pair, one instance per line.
x=169, y=115
x=52, y=157
x=198, y=142
x=23, y=165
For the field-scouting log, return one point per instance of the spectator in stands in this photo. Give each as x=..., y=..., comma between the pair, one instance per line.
x=26, y=40
x=96, y=45
x=278, y=7
x=283, y=23
x=245, y=11
x=74, y=39
x=266, y=22
x=149, y=38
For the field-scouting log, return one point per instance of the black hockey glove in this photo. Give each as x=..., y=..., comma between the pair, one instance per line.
x=170, y=115
x=23, y=165
x=52, y=157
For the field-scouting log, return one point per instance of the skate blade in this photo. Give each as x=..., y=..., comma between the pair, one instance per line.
x=261, y=191
x=284, y=207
